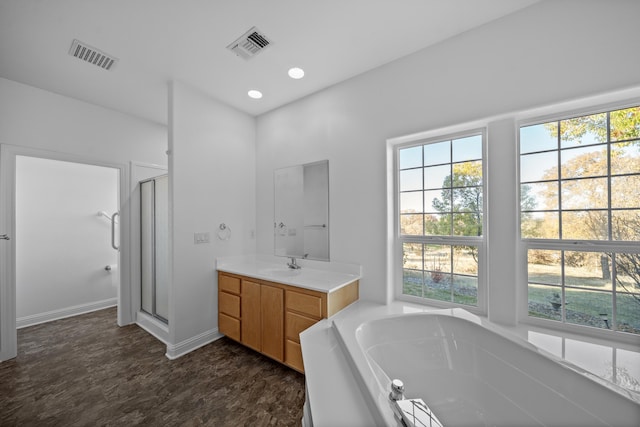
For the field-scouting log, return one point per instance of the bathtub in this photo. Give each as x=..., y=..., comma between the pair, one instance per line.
x=473, y=373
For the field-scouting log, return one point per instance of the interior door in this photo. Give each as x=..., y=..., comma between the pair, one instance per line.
x=8, y=336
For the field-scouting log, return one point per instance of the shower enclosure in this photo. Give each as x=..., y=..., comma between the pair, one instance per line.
x=154, y=255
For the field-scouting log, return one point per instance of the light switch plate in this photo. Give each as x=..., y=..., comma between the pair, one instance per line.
x=201, y=237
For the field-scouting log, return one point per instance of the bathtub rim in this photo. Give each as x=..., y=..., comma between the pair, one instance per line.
x=346, y=328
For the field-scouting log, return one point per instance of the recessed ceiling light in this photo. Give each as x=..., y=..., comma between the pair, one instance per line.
x=296, y=73
x=255, y=94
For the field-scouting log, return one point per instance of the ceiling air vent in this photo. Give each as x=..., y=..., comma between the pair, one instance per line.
x=249, y=44
x=92, y=55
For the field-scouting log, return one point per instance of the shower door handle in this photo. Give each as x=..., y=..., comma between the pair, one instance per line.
x=4, y=237
x=113, y=231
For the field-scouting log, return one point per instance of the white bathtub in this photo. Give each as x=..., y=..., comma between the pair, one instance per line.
x=472, y=373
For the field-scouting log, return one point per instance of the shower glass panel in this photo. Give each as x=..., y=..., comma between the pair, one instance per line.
x=154, y=226
x=162, y=247
x=146, y=248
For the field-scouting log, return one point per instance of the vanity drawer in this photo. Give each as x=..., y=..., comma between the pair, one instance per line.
x=304, y=303
x=229, y=284
x=293, y=355
x=229, y=326
x=229, y=304
x=295, y=324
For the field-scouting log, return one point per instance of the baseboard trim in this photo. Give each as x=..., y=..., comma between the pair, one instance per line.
x=180, y=349
x=153, y=326
x=49, y=316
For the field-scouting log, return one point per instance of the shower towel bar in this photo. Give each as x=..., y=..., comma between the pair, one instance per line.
x=113, y=231
x=106, y=215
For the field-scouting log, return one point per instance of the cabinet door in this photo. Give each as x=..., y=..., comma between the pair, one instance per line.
x=293, y=356
x=228, y=284
x=272, y=308
x=296, y=323
x=250, y=314
x=305, y=303
x=229, y=326
x=229, y=304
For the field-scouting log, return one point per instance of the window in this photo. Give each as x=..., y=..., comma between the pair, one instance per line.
x=440, y=211
x=580, y=219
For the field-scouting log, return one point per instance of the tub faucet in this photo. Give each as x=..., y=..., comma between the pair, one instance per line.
x=397, y=390
x=411, y=412
x=293, y=264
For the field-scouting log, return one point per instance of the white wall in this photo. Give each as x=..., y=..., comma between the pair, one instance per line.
x=62, y=246
x=31, y=117
x=550, y=52
x=212, y=181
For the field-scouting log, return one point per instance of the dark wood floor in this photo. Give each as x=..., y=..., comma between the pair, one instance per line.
x=87, y=371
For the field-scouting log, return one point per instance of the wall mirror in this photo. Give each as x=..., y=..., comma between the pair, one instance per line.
x=301, y=214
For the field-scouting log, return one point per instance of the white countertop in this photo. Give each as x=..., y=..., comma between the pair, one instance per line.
x=318, y=276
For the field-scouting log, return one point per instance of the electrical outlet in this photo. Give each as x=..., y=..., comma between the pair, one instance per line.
x=201, y=237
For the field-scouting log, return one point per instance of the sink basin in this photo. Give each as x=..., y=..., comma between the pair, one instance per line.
x=280, y=272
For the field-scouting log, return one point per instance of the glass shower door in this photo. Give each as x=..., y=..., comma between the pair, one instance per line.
x=154, y=230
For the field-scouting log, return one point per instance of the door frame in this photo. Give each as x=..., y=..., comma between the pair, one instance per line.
x=8, y=153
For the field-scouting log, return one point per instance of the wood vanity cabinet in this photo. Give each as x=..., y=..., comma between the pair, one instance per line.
x=268, y=316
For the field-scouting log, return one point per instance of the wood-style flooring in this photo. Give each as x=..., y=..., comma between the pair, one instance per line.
x=87, y=371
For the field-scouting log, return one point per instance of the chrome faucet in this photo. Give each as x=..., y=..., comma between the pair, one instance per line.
x=397, y=390
x=411, y=412
x=293, y=264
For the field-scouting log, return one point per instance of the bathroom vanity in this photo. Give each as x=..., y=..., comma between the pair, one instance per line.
x=265, y=305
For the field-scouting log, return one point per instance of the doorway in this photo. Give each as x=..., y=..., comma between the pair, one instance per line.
x=13, y=158
x=66, y=239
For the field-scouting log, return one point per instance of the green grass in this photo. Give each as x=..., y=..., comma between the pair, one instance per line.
x=588, y=303
x=465, y=290
x=581, y=302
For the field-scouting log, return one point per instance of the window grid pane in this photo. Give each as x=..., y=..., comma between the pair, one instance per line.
x=412, y=269
x=451, y=192
x=577, y=287
x=577, y=181
x=441, y=272
x=587, y=177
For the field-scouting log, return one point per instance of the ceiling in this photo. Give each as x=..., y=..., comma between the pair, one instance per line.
x=157, y=41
